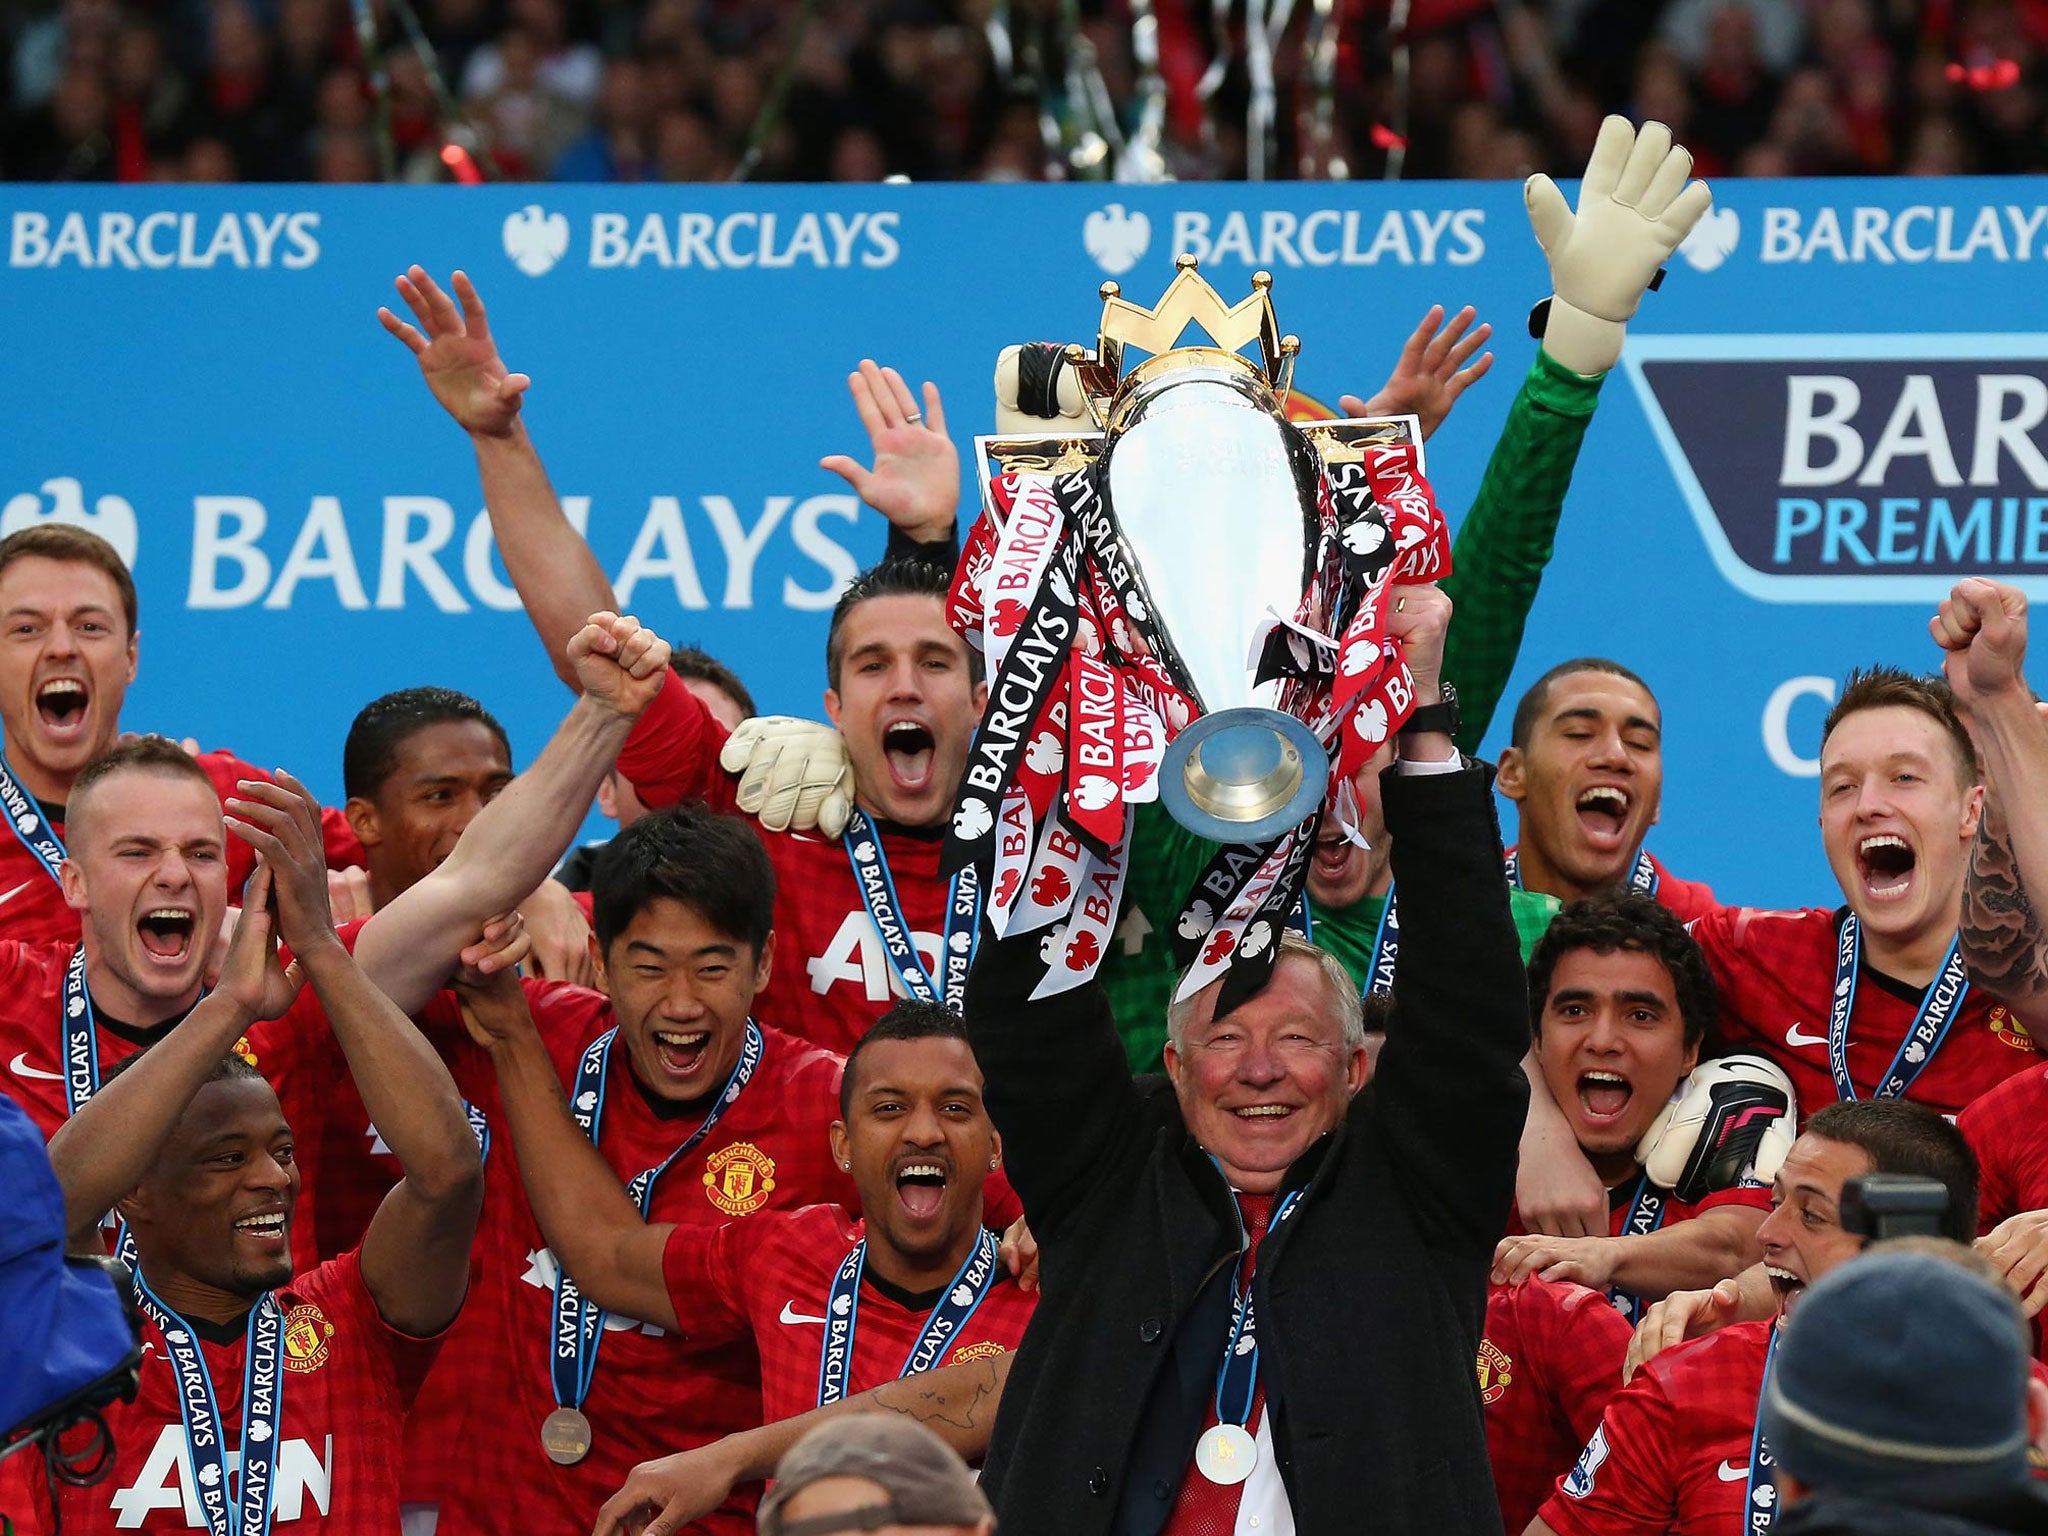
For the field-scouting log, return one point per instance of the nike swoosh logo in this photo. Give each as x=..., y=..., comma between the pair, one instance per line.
x=20, y=1068
x=9, y=896
x=789, y=1316
x=1796, y=1036
x=1732, y=1471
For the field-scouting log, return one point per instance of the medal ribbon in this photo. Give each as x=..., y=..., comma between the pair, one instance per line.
x=1646, y=1213
x=82, y=1065
x=199, y=1407
x=28, y=822
x=1237, y=1378
x=878, y=893
x=1939, y=1006
x=969, y=1287
x=576, y=1329
x=1386, y=943
x=1642, y=879
x=1760, y=1508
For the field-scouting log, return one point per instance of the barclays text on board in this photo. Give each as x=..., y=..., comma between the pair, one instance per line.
x=163, y=240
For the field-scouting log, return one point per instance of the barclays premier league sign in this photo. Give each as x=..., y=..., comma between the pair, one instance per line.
x=1829, y=411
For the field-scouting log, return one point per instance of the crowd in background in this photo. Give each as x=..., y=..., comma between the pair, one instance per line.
x=857, y=90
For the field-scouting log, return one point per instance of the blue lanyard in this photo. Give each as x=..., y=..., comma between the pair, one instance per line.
x=1642, y=879
x=1386, y=943
x=199, y=1407
x=1760, y=1493
x=964, y=1295
x=576, y=1329
x=30, y=824
x=1939, y=1006
x=82, y=1066
x=1238, y=1376
x=878, y=894
x=1646, y=1212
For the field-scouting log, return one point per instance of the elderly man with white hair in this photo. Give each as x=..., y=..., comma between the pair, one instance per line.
x=1198, y=1374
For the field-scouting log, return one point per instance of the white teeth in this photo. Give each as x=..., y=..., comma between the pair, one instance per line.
x=1603, y=1077
x=682, y=1042
x=1605, y=792
x=1782, y=1274
x=274, y=1222
x=168, y=914
x=922, y=1170
x=61, y=685
x=1263, y=1111
x=1882, y=840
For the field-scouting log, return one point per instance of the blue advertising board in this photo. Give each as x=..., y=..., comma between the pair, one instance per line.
x=1828, y=412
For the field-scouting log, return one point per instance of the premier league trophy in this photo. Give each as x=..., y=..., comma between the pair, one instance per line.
x=1187, y=605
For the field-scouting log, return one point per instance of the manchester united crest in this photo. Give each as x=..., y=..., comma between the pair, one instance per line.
x=2008, y=1029
x=982, y=1349
x=306, y=1336
x=739, y=1179
x=1496, y=1372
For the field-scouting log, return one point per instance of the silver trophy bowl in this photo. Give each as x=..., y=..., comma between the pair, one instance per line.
x=1206, y=494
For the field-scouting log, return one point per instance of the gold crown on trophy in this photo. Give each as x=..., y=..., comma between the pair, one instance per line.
x=1189, y=300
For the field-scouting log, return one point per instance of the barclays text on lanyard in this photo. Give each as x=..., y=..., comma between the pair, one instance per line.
x=28, y=822
x=1760, y=1493
x=576, y=1328
x=1227, y=1451
x=1939, y=1006
x=878, y=893
x=82, y=1065
x=1647, y=1209
x=1642, y=879
x=1386, y=943
x=199, y=1407
x=965, y=1293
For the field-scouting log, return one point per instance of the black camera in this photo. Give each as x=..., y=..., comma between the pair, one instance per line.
x=1884, y=1205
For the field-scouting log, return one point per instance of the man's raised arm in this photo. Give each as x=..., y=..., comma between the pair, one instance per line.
x=598, y=1235
x=1982, y=625
x=1450, y=1094
x=409, y=947
x=102, y=1152
x=415, y=1255
x=551, y=566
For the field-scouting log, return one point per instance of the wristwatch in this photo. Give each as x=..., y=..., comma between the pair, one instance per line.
x=1441, y=716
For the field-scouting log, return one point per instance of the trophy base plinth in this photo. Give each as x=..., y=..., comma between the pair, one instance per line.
x=1243, y=775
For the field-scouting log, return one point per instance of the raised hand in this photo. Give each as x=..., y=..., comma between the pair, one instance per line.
x=1982, y=625
x=281, y=821
x=1434, y=369
x=1635, y=206
x=252, y=977
x=457, y=356
x=619, y=662
x=916, y=479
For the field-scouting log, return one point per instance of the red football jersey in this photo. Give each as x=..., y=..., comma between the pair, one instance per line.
x=1672, y=1450
x=771, y=1280
x=1776, y=972
x=347, y=1379
x=832, y=977
x=1550, y=1359
x=476, y=1446
x=32, y=906
x=1621, y=1200
x=2008, y=1130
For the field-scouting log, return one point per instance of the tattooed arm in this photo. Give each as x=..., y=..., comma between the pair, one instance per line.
x=957, y=1403
x=1983, y=627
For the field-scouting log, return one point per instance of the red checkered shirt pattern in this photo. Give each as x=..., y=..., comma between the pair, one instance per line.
x=771, y=1281
x=348, y=1378
x=1671, y=1454
x=475, y=1438
x=1549, y=1361
x=1776, y=972
x=832, y=977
